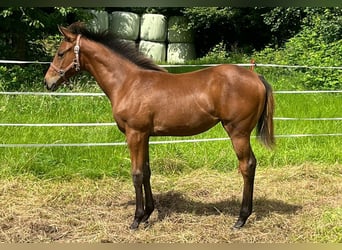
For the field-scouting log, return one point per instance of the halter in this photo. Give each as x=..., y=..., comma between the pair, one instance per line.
x=74, y=64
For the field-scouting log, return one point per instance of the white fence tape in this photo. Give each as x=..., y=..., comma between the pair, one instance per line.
x=297, y=66
x=257, y=65
x=151, y=142
x=21, y=62
x=307, y=119
x=57, y=124
x=202, y=65
x=51, y=93
x=307, y=91
x=102, y=94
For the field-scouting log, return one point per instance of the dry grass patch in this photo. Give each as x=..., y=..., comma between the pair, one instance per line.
x=292, y=204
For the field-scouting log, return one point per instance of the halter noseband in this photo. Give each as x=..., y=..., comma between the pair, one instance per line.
x=74, y=64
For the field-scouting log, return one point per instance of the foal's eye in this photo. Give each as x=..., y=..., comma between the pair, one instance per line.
x=60, y=54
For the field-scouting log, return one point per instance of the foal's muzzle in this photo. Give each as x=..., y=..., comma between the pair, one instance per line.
x=51, y=87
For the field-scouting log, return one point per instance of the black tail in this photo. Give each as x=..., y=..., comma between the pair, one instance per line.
x=265, y=129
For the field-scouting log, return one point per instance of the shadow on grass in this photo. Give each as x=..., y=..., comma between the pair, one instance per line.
x=175, y=202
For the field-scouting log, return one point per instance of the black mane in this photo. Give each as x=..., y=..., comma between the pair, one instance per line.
x=125, y=49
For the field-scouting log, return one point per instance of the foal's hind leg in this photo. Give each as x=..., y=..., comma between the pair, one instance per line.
x=247, y=165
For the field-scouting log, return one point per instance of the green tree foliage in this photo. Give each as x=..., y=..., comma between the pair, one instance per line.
x=27, y=34
x=238, y=28
x=22, y=29
x=318, y=43
x=284, y=23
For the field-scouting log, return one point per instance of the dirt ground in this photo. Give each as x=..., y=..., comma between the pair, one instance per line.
x=294, y=204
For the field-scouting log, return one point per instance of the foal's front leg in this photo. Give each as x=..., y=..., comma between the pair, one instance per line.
x=149, y=203
x=138, y=146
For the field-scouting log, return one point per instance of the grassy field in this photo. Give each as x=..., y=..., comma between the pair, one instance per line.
x=84, y=194
x=65, y=162
x=292, y=204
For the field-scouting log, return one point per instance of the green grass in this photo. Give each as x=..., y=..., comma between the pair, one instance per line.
x=97, y=162
x=329, y=226
x=298, y=205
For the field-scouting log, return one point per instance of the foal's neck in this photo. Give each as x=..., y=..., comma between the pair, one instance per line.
x=109, y=70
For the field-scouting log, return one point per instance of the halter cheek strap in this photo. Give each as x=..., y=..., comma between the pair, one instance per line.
x=77, y=53
x=74, y=64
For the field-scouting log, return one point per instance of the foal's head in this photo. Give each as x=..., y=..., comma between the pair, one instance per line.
x=66, y=61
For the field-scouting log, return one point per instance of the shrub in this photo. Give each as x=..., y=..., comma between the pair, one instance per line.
x=220, y=54
x=15, y=78
x=312, y=46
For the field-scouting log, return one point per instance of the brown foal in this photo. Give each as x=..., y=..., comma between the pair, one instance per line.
x=148, y=101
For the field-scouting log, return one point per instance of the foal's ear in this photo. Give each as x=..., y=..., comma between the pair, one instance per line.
x=68, y=35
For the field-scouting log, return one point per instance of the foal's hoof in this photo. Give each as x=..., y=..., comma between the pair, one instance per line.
x=239, y=224
x=134, y=225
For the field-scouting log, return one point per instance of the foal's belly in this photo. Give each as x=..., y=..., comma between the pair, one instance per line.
x=183, y=126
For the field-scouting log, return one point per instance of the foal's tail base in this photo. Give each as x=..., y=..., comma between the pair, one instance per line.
x=265, y=128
